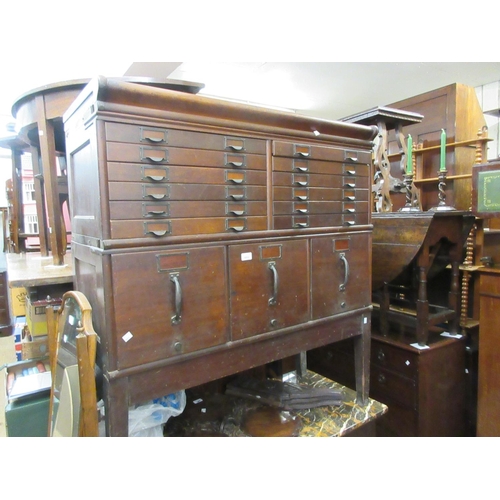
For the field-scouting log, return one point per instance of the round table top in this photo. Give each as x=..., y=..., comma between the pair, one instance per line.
x=78, y=84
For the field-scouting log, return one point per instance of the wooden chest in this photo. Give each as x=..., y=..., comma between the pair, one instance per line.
x=211, y=237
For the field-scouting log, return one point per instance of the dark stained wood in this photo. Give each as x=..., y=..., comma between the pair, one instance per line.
x=186, y=283
x=488, y=403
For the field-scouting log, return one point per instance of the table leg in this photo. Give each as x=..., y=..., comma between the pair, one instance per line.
x=362, y=360
x=47, y=150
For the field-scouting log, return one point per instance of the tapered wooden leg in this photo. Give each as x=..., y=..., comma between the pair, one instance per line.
x=362, y=360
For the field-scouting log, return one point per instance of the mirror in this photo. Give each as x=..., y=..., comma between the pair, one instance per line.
x=72, y=348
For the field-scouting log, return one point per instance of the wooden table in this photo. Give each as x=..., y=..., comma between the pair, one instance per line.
x=34, y=269
x=38, y=115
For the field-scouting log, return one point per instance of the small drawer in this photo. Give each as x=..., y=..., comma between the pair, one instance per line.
x=307, y=151
x=490, y=284
x=140, y=134
x=124, y=229
x=133, y=153
x=394, y=386
x=393, y=358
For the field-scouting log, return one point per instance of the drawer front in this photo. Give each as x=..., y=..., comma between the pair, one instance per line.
x=268, y=287
x=293, y=165
x=293, y=193
x=138, y=134
x=161, y=228
x=128, y=191
x=177, y=304
x=339, y=273
x=387, y=384
x=316, y=152
x=328, y=220
x=319, y=207
x=131, y=172
x=120, y=210
x=391, y=358
x=154, y=155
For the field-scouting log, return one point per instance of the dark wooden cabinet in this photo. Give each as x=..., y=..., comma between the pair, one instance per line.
x=424, y=389
x=212, y=238
x=488, y=398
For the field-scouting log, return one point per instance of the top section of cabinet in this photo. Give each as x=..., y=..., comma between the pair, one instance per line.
x=159, y=166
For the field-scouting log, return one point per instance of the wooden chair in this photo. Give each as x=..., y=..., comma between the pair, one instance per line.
x=72, y=351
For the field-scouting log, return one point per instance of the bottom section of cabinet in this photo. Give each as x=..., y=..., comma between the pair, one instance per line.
x=171, y=301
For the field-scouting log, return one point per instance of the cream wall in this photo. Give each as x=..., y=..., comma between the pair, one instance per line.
x=489, y=99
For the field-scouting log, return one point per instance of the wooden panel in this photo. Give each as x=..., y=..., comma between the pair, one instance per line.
x=315, y=152
x=123, y=152
x=131, y=172
x=144, y=297
x=339, y=273
x=120, y=132
x=162, y=228
x=488, y=403
x=253, y=284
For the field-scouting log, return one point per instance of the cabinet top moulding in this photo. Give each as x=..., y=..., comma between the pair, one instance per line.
x=108, y=95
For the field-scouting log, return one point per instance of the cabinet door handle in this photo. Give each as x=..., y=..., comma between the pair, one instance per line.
x=272, y=267
x=346, y=272
x=235, y=163
x=176, y=318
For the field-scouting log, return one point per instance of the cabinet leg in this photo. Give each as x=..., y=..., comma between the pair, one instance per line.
x=116, y=407
x=362, y=361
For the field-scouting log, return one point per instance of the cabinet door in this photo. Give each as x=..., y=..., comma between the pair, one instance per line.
x=341, y=276
x=268, y=286
x=168, y=303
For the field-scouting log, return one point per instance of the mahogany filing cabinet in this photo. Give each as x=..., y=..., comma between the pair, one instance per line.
x=212, y=237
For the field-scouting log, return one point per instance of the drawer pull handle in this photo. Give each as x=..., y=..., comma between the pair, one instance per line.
x=301, y=183
x=236, y=181
x=237, y=228
x=272, y=267
x=157, y=212
x=301, y=169
x=381, y=378
x=176, y=318
x=381, y=355
x=154, y=139
x=302, y=210
x=301, y=224
x=235, y=148
x=305, y=154
x=350, y=198
x=156, y=159
x=158, y=196
x=302, y=198
x=156, y=178
x=235, y=163
x=352, y=158
x=159, y=233
x=351, y=172
x=346, y=272
x=237, y=197
x=238, y=212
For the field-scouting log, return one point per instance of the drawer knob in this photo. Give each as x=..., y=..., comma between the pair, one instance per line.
x=381, y=378
x=381, y=355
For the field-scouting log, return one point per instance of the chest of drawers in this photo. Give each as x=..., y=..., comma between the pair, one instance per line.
x=212, y=238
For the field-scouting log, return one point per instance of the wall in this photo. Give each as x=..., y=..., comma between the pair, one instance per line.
x=489, y=100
